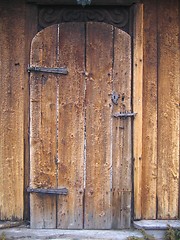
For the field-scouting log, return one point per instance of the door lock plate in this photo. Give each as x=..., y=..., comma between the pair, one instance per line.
x=114, y=97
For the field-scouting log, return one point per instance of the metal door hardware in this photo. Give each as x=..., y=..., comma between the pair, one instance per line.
x=56, y=191
x=84, y=2
x=114, y=97
x=124, y=115
x=63, y=71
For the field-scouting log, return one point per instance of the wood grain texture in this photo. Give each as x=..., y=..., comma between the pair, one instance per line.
x=168, y=109
x=137, y=107
x=71, y=125
x=14, y=122
x=43, y=129
x=30, y=32
x=71, y=116
x=99, y=50
x=121, y=130
x=149, y=150
x=12, y=42
x=111, y=15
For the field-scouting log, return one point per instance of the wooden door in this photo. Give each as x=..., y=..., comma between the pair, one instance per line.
x=75, y=141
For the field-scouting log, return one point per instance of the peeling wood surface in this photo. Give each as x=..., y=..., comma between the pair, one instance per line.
x=168, y=109
x=137, y=107
x=149, y=150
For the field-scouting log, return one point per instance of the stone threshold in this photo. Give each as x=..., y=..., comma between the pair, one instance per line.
x=156, y=224
x=18, y=230
x=23, y=232
x=11, y=224
x=42, y=234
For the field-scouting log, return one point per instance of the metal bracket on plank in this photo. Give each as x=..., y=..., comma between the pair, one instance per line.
x=62, y=70
x=124, y=115
x=55, y=191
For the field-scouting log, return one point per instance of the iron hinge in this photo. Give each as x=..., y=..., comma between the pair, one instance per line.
x=62, y=70
x=124, y=115
x=56, y=191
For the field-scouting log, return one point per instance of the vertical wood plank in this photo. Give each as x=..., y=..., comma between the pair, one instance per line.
x=99, y=49
x=12, y=43
x=121, y=142
x=168, y=110
x=149, y=150
x=137, y=107
x=71, y=125
x=43, y=129
x=30, y=32
x=179, y=117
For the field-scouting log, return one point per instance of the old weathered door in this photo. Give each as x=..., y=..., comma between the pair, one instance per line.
x=77, y=140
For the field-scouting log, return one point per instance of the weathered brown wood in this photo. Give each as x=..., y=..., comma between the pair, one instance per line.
x=71, y=125
x=149, y=150
x=43, y=92
x=118, y=17
x=13, y=78
x=99, y=50
x=137, y=107
x=71, y=116
x=12, y=43
x=30, y=32
x=168, y=109
x=121, y=130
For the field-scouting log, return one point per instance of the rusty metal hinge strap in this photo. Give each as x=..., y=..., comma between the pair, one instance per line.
x=124, y=115
x=62, y=70
x=56, y=191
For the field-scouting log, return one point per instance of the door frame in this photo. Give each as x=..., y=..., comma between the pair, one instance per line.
x=96, y=2
x=137, y=98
